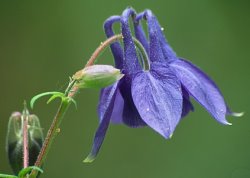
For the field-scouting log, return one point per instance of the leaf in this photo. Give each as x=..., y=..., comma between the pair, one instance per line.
x=54, y=93
x=54, y=96
x=26, y=170
x=73, y=101
x=7, y=176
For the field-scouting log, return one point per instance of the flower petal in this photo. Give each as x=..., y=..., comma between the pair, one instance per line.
x=131, y=116
x=131, y=64
x=105, y=111
x=115, y=47
x=202, y=88
x=139, y=32
x=155, y=51
x=116, y=117
x=168, y=52
x=158, y=98
x=187, y=106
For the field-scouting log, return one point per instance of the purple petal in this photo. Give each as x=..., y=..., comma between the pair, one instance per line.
x=116, y=117
x=139, y=32
x=155, y=48
x=202, y=88
x=105, y=110
x=158, y=98
x=155, y=51
x=187, y=106
x=168, y=52
x=115, y=47
x=131, y=64
x=131, y=116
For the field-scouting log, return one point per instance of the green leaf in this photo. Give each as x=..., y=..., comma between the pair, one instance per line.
x=54, y=96
x=54, y=93
x=7, y=176
x=26, y=170
x=73, y=101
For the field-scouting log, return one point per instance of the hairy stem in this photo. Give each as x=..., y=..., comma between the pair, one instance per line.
x=25, y=134
x=145, y=62
x=52, y=132
x=25, y=142
x=102, y=47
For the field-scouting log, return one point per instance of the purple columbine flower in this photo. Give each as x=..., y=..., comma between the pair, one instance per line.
x=159, y=96
x=150, y=97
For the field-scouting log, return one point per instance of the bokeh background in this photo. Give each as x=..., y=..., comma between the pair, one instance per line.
x=42, y=43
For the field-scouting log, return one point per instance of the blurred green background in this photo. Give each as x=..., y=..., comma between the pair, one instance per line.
x=42, y=43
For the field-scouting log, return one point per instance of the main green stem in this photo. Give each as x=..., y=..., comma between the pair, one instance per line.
x=70, y=92
x=53, y=131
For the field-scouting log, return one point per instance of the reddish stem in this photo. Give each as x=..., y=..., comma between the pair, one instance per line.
x=25, y=142
x=101, y=48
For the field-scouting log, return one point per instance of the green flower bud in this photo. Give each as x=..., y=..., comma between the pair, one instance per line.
x=97, y=76
x=14, y=142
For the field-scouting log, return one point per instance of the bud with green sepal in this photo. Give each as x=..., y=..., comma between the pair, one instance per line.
x=97, y=76
x=16, y=138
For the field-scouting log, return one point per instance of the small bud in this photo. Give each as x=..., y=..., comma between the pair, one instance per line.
x=97, y=76
x=14, y=142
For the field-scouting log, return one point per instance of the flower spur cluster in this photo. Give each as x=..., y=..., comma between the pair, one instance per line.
x=157, y=95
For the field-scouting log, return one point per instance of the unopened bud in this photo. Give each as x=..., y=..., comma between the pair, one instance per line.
x=15, y=139
x=97, y=76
